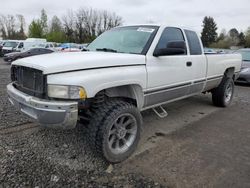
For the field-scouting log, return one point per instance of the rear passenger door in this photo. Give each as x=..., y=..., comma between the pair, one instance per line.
x=199, y=62
x=170, y=76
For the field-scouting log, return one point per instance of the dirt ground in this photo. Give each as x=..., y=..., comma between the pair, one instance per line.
x=197, y=145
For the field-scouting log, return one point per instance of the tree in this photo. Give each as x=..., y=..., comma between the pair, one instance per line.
x=247, y=38
x=86, y=24
x=21, y=33
x=35, y=29
x=44, y=22
x=222, y=35
x=209, y=32
x=39, y=27
x=242, y=40
x=56, y=33
x=69, y=26
x=234, y=36
x=12, y=27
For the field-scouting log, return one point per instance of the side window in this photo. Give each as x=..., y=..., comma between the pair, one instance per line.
x=20, y=45
x=170, y=34
x=194, y=43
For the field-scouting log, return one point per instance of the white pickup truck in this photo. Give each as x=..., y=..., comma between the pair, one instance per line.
x=124, y=71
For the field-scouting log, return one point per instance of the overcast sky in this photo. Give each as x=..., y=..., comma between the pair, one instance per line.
x=187, y=13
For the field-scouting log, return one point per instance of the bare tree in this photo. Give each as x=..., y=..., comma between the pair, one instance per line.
x=21, y=25
x=69, y=25
x=8, y=26
x=88, y=23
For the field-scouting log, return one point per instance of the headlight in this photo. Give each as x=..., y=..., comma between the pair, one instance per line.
x=66, y=92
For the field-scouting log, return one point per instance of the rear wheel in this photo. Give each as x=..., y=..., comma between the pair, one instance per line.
x=115, y=130
x=222, y=96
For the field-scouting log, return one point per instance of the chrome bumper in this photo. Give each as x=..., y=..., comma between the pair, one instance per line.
x=53, y=114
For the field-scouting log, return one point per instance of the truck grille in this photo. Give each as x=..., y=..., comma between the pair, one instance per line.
x=28, y=80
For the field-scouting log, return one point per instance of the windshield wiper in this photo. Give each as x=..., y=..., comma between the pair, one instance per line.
x=106, y=50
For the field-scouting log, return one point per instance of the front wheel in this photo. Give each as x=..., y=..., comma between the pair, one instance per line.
x=222, y=96
x=115, y=130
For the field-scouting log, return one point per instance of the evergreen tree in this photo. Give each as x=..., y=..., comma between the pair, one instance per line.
x=242, y=40
x=234, y=36
x=209, y=32
x=36, y=29
x=56, y=33
x=39, y=28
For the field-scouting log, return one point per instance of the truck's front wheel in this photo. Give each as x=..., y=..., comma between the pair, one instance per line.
x=115, y=130
x=222, y=96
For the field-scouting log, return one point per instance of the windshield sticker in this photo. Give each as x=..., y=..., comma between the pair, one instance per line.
x=143, y=29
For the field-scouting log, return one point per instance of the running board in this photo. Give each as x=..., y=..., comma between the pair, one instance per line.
x=160, y=111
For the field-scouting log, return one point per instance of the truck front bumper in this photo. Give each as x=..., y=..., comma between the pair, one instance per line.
x=52, y=114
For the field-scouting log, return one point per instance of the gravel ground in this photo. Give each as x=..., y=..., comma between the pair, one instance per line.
x=186, y=149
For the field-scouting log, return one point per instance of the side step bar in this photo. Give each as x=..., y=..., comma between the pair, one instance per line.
x=160, y=111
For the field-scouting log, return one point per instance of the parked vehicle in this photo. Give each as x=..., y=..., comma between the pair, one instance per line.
x=12, y=46
x=32, y=52
x=126, y=70
x=69, y=47
x=1, y=47
x=34, y=43
x=209, y=51
x=1, y=42
x=245, y=70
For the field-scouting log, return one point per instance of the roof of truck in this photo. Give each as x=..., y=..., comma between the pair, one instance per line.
x=160, y=25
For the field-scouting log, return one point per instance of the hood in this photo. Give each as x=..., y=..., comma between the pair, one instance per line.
x=69, y=61
x=7, y=48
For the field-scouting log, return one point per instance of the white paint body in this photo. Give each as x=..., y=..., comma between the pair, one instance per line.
x=96, y=71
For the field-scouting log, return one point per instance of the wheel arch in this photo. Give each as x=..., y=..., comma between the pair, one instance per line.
x=132, y=92
x=230, y=72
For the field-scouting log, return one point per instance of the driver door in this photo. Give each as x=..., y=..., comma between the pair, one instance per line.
x=170, y=76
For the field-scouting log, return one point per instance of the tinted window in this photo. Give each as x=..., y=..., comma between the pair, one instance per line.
x=20, y=45
x=168, y=35
x=194, y=43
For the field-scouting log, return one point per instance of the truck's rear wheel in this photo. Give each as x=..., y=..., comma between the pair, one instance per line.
x=115, y=130
x=222, y=96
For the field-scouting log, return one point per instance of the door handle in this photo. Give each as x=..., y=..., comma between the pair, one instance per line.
x=189, y=64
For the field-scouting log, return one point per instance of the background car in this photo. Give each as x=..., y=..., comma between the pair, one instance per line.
x=12, y=46
x=209, y=51
x=1, y=47
x=245, y=70
x=32, y=52
x=69, y=47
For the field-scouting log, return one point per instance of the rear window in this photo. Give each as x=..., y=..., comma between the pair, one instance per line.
x=194, y=43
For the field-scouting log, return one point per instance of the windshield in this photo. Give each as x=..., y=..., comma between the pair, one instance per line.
x=124, y=40
x=10, y=44
x=245, y=55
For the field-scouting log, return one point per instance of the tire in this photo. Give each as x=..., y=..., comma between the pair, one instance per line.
x=222, y=96
x=114, y=130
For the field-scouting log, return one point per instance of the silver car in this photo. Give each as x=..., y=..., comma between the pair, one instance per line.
x=245, y=70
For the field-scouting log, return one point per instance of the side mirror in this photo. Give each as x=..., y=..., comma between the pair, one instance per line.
x=172, y=48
